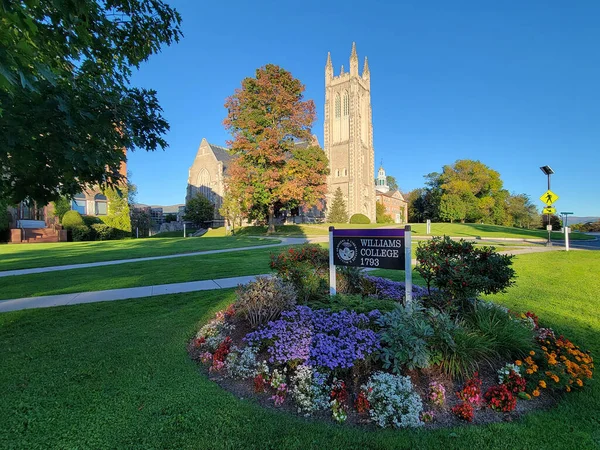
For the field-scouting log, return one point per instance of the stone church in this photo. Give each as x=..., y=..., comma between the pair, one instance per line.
x=348, y=135
x=348, y=144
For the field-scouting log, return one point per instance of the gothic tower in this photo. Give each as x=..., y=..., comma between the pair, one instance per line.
x=349, y=136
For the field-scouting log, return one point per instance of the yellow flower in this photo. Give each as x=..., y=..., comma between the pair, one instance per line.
x=543, y=384
x=529, y=371
x=536, y=393
x=545, y=348
x=568, y=388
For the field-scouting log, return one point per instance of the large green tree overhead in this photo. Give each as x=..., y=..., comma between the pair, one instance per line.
x=67, y=109
x=268, y=118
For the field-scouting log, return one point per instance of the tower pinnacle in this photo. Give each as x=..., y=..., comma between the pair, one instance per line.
x=354, y=60
x=328, y=67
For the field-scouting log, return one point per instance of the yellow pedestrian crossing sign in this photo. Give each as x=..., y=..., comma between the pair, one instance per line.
x=549, y=197
x=549, y=210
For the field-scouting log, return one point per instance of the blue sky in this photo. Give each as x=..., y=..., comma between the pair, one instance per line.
x=513, y=84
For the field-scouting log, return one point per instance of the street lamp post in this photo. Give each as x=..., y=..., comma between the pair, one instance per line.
x=548, y=171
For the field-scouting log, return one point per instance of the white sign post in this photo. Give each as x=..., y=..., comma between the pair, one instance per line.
x=428, y=226
x=332, y=280
x=184, y=230
x=567, y=231
x=407, y=264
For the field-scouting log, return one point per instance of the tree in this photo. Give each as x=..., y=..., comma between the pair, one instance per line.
x=392, y=183
x=118, y=215
x=268, y=118
x=452, y=208
x=380, y=215
x=67, y=108
x=61, y=206
x=170, y=218
x=199, y=210
x=140, y=222
x=338, y=212
x=232, y=208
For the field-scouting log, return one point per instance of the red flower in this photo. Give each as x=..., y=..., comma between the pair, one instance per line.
x=464, y=411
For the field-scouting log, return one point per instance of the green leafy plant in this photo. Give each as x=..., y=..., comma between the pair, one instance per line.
x=72, y=219
x=353, y=302
x=103, y=232
x=469, y=350
x=307, y=268
x=338, y=213
x=264, y=299
x=360, y=219
x=81, y=233
x=461, y=270
x=349, y=280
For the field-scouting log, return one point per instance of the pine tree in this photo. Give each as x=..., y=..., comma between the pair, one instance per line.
x=338, y=212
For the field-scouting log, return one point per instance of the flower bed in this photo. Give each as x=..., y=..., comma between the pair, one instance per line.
x=413, y=365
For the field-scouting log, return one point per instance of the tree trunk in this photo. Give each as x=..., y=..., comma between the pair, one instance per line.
x=271, y=228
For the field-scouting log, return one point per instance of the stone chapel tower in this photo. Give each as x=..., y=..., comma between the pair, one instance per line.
x=349, y=136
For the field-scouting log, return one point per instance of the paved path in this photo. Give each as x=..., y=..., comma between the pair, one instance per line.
x=174, y=288
x=284, y=241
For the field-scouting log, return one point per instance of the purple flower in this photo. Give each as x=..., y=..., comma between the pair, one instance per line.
x=318, y=338
x=394, y=290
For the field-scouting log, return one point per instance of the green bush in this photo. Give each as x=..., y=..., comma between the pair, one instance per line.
x=462, y=271
x=469, y=350
x=81, y=233
x=354, y=302
x=510, y=338
x=359, y=218
x=91, y=220
x=72, y=219
x=307, y=268
x=61, y=207
x=103, y=232
x=264, y=299
x=349, y=280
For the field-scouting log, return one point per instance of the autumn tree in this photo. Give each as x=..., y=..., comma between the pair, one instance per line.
x=338, y=212
x=231, y=208
x=380, y=214
x=275, y=161
x=67, y=109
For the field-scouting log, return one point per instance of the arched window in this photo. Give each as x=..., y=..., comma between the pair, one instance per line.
x=345, y=172
x=78, y=203
x=337, y=173
x=203, y=183
x=346, y=104
x=100, y=202
x=338, y=107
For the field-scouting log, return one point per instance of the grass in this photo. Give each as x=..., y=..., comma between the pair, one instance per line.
x=145, y=273
x=64, y=253
x=489, y=231
x=116, y=375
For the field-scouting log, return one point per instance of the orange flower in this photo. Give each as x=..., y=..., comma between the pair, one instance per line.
x=542, y=384
x=579, y=382
x=532, y=353
x=536, y=393
x=518, y=362
x=568, y=388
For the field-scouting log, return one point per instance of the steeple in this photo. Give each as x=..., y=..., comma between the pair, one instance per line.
x=366, y=73
x=354, y=61
x=342, y=70
x=328, y=68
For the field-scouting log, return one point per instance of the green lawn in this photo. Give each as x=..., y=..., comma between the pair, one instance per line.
x=145, y=273
x=116, y=375
x=25, y=256
x=489, y=231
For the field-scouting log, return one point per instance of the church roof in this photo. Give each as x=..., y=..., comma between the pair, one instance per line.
x=222, y=154
x=395, y=194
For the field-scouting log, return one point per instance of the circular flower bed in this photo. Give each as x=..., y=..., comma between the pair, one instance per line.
x=368, y=358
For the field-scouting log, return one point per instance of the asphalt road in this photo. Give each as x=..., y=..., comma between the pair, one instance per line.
x=586, y=245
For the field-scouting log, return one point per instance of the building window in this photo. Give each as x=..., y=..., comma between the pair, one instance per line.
x=346, y=104
x=345, y=172
x=337, y=173
x=101, y=204
x=338, y=107
x=78, y=204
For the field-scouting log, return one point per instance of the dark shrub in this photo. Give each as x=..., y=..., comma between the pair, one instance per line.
x=103, y=232
x=307, y=268
x=355, y=302
x=461, y=270
x=91, y=220
x=349, y=280
x=263, y=300
x=72, y=219
x=81, y=233
x=359, y=218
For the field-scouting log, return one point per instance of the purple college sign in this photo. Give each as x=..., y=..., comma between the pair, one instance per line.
x=378, y=248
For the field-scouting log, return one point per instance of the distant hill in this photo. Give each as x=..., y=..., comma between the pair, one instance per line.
x=575, y=219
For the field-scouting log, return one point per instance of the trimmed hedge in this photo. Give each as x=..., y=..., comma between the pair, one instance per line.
x=72, y=219
x=359, y=218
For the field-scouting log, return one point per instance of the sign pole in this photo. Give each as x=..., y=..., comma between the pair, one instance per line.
x=567, y=238
x=332, y=281
x=407, y=265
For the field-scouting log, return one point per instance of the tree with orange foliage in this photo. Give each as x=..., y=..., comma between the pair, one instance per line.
x=268, y=119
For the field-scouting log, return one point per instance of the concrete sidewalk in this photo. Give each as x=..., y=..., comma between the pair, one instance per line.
x=283, y=241
x=121, y=294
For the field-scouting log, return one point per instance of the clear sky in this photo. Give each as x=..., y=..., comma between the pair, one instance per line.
x=513, y=84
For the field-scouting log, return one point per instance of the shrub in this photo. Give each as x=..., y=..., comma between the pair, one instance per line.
x=103, y=232
x=360, y=219
x=319, y=338
x=404, y=335
x=72, y=219
x=263, y=300
x=392, y=401
x=81, y=233
x=356, y=303
x=461, y=270
x=91, y=220
x=349, y=280
x=510, y=338
x=468, y=351
x=307, y=268
x=61, y=206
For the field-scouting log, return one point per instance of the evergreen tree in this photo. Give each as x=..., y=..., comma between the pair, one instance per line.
x=338, y=213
